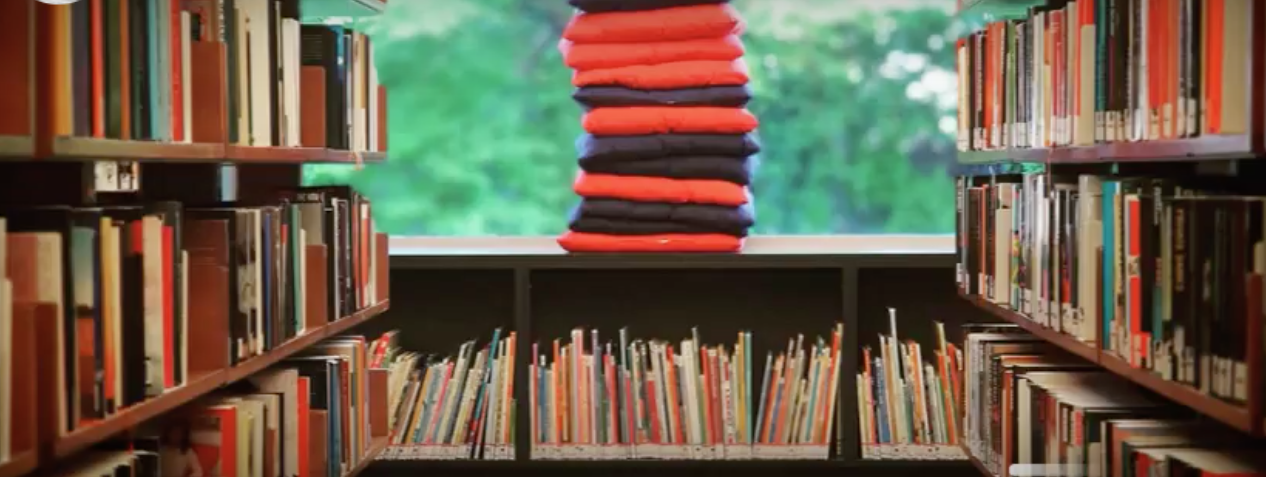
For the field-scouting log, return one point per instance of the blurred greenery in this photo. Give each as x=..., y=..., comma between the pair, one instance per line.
x=856, y=101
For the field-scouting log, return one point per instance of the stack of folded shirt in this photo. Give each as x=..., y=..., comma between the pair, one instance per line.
x=669, y=148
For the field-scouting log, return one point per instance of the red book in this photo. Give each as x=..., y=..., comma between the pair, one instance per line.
x=177, y=69
x=303, y=411
x=97, y=59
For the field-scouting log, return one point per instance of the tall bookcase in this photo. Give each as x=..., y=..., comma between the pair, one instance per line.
x=64, y=115
x=1110, y=194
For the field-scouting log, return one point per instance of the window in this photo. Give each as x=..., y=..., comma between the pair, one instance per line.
x=856, y=101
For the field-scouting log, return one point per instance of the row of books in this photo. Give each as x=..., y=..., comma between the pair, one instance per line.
x=905, y=399
x=653, y=399
x=454, y=407
x=1032, y=410
x=1165, y=274
x=308, y=416
x=1080, y=72
x=142, y=300
x=243, y=72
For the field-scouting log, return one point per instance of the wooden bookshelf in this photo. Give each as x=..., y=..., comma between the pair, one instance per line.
x=1205, y=148
x=1068, y=343
x=375, y=448
x=1236, y=417
x=20, y=464
x=85, y=437
x=980, y=466
x=94, y=149
x=16, y=146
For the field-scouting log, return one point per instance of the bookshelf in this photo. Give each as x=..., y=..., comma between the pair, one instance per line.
x=1214, y=148
x=1100, y=100
x=68, y=148
x=1149, y=272
x=206, y=283
x=79, y=440
x=1237, y=417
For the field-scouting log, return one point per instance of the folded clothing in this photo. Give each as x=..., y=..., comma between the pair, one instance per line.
x=681, y=74
x=638, y=120
x=597, y=6
x=712, y=217
x=730, y=169
x=666, y=24
x=604, y=225
x=666, y=243
x=596, y=56
x=595, y=149
x=615, y=96
x=658, y=189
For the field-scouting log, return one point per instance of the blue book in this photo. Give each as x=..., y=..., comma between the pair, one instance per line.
x=1109, y=259
x=881, y=401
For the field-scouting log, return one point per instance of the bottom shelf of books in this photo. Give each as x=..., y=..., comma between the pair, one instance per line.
x=626, y=398
x=909, y=407
x=1034, y=409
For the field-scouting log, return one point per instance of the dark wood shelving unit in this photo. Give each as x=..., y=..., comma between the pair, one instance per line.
x=1205, y=148
x=980, y=466
x=1068, y=343
x=1236, y=417
x=375, y=448
x=20, y=464
x=94, y=149
x=642, y=467
x=85, y=437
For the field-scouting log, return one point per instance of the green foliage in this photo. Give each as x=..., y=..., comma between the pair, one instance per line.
x=851, y=99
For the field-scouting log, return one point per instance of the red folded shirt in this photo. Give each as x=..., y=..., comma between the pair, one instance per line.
x=658, y=189
x=668, y=243
x=595, y=56
x=641, y=120
x=667, y=24
x=681, y=74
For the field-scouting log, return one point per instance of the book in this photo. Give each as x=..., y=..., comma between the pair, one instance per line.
x=628, y=398
x=452, y=407
x=909, y=403
x=152, y=297
x=1074, y=73
x=1163, y=274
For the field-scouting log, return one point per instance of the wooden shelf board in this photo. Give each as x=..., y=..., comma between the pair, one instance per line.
x=85, y=437
x=1068, y=343
x=90, y=148
x=1205, y=148
x=21, y=464
x=16, y=146
x=1230, y=414
x=1237, y=417
x=978, y=464
x=93, y=149
x=375, y=448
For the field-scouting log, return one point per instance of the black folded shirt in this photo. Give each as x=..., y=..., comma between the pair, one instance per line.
x=609, y=96
x=738, y=170
x=597, y=6
x=621, y=217
x=655, y=146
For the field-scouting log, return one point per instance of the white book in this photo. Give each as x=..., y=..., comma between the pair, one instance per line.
x=155, y=321
x=453, y=394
